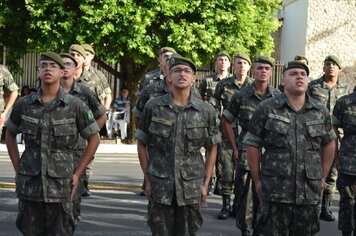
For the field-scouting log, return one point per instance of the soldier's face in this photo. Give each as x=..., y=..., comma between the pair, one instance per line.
x=78, y=57
x=181, y=76
x=69, y=68
x=89, y=57
x=295, y=81
x=262, y=72
x=331, y=69
x=241, y=67
x=222, y=63
x=49, y=72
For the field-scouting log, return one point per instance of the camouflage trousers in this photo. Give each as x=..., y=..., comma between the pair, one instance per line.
x=346, y=185
x=225, y=168
x=330, y=181
x=283, y=219
x=78, y=196
x=45, y=219
x=247, y=202
x=174, y=220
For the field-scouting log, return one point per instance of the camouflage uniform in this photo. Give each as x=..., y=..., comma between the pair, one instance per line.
x=44, y=176
x=103, y=79
x=224, y=91
x=93, y=82
x=176, y=165
x=319, y=90
x=344, y=116
x=150, y=78
x=88, y=97
x=6, y=82
x=291, y=166
x=240, y=110
x=208, y=84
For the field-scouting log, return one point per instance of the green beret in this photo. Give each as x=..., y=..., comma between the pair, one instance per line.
x=88, y=48
x=70, y=57
x=300, y=58
x=223, y=53
x=166, y=49
x=296, y=64
x=177, y=59
x=52, y=56
x=263, y=59
x=334, y=59
x=79, y=49
x=244, y=56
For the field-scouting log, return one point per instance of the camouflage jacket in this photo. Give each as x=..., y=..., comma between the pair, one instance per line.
x=93, y=82
x=291, y=166
x=344, y=116
x=240, y=110
x=89, y=98
x=6, y=82
x=103, y=79
x=319, y=90
x=50, y=131
x=150, y=78
x=176, y=134
x=208, y=84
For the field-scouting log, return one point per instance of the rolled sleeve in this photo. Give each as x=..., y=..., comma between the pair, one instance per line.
x=330, y=136
x=252, y=140
x=11, y=126
x=142, y=136
x=228, y=116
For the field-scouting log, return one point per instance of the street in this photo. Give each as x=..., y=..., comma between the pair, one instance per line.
x=115, y=208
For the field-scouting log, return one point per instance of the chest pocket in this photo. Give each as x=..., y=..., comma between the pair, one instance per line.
x=315, y=131
x=196, y=135
x=65, y=133
x=160, y=130
x=29, y=126
x=276, y=131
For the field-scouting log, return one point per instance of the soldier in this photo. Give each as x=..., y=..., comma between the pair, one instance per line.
x=302, y=59
x=208, y=84
x=72, y=87
x=327, y=90
x=46, y=177
x=240, y=111
x=8, y=83
x=299, y=144
x=176, y=126
x=94, y=83
x=344, y=118
x=225, y=165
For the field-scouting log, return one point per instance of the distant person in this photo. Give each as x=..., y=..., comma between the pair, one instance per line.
x=25, y=90
x=122, y=103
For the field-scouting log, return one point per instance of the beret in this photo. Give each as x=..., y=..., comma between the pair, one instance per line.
x=52, y=56
x=296, y=64
x=166, y=49
x=301, y=57
x=243, y=56
x=222, y=53
x=70, y=57
x=263, y=59
x=88, y=47
x=79, y=49
x=334, y=59
x=177, y=59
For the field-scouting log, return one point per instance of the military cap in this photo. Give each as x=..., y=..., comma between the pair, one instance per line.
x=244, y=56
x=177, y=59
x=222, y=53
x=166, y=49
x=300, y=58
x=334, y=59
x=79, y=49
x=263, y=59
x=52, y=56
x=70, y=57
x=296, y=64
x=88, y=48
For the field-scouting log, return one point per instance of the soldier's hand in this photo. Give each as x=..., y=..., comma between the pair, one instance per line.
x=204, y=195
x=258, y=187
x=236, y=155
x=75, y=182
x=148, y=191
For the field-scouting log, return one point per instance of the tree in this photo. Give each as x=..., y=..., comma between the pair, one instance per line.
x=132, y=31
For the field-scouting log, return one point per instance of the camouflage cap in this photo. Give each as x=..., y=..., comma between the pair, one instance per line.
x=177, y=59
x=222, y=53
x=52, y=56
x=296, y=64
x=88, y=48
x=334, y=59
x=263, y=59
x=300, y=58
x=244, y=56
x=167, y=49
x=79, y=49
x=70, y=57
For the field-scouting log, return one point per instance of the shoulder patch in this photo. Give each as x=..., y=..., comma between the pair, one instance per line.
x=90, y=115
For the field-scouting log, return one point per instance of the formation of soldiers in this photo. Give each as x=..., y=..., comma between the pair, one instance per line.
x=280, y=152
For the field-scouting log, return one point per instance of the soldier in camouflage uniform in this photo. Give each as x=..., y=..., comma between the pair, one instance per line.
x=344, y=117
x=240, y=110
x=82, y=92
x=6, y=82
x=94, y=83
x=296, y=133
x=327, y=90
x=225, y=165
x=177, y=125
x=46, y=176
